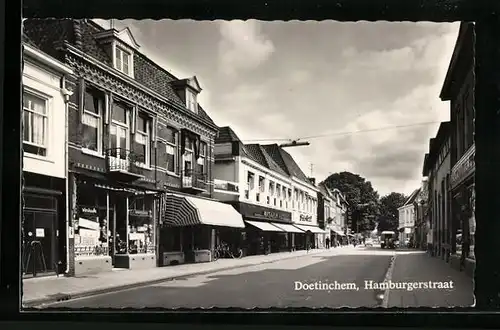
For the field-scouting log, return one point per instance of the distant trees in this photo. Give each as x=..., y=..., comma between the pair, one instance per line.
x=364, y=208
x=389, y=215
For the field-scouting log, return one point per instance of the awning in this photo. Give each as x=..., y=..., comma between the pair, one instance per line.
x=264, y=226
x=338, y=232
x=288, y=228
x=181, y=211
x=312, y=229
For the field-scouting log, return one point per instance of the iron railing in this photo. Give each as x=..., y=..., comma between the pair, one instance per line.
x=120, y=159
x=193, y=179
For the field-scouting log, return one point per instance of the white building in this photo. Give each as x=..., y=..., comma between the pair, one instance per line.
x=267, y=187
x=407, y=217
x=333, y=212
x=44, y=161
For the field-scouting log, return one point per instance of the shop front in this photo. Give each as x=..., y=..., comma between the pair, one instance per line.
x=43, y=225
x=463, y=206
x=113, y=226
x=337, y=236
x=267, y=230
x=193, y=227
x=312, y=235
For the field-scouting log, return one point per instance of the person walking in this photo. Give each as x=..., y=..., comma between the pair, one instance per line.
x=327, y=241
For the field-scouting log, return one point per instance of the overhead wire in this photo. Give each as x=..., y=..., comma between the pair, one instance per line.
x=346, y=133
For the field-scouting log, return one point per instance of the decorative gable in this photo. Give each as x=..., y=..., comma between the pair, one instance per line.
x=120, y=46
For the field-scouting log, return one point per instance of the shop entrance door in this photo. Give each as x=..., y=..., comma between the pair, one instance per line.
x=40, y=241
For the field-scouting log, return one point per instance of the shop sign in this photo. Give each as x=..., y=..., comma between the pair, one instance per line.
x=305, y=218
x=88, y=210
x=269, y=215
x=464, y=168
x=139, y=213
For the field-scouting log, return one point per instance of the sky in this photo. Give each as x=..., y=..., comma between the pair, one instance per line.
x=358, y=92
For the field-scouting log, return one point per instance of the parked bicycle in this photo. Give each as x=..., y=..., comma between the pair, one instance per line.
x=223, y=250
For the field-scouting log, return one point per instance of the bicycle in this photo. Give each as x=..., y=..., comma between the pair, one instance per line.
x=224, y=251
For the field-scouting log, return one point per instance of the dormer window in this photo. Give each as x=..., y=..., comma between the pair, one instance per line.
x=191, y=102
x=123, y=61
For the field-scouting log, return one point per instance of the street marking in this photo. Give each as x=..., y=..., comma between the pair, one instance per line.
x=388, y=277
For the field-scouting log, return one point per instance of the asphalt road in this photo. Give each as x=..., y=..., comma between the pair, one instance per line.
x=262, y=286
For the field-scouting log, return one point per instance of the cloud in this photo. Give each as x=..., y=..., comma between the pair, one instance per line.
x=243, y=46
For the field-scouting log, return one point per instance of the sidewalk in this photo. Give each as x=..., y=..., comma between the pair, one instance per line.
x=42, y=290
x=421, y=267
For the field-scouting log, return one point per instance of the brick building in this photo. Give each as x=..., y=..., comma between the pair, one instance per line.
x=140, y=146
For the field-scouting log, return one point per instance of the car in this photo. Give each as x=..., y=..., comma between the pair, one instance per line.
x=388, y=240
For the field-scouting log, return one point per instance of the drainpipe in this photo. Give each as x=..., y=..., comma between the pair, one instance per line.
x=66, y=93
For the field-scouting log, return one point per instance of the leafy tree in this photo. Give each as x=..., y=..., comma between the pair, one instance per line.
x=363, y=209
x=389, y=215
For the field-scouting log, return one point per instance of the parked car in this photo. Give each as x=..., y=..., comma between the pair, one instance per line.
x=388, y=240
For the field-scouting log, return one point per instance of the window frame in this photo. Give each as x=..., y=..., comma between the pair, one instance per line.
x=174, y=146
x=202, y=157
x=191, y=101
x=146, y=135
x=118, y=49
x=118, y=124
x=46, y=99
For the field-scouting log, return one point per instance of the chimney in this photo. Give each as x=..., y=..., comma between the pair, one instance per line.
x=312, y=180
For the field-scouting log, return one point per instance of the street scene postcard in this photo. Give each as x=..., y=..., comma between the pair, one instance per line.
x=248, y=164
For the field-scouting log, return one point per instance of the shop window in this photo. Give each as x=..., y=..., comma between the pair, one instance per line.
x=35, y=124
x=141, y=227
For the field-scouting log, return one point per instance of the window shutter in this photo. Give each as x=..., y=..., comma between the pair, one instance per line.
x=81, y=105
x=134, y=119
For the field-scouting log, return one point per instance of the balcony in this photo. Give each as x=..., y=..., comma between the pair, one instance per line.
x=122, y=165
x=193, y=182
x=228, y=187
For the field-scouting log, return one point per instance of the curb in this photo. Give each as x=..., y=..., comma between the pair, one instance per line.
x=62, y=297
x=388, y=277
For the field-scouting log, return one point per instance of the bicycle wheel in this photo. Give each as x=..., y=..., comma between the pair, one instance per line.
x=238, y=254
x=216, y=255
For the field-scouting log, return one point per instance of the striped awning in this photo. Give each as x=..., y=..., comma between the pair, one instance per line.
x=181, y=211
x=264, y=226
x=288, y=228
x=312, y=229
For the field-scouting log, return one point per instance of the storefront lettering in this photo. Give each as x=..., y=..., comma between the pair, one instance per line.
x=463, y=170
x=306, y=218
x=139, y=213
x=88, y=210
x=268, y=215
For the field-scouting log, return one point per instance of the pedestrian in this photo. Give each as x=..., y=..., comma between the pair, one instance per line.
x=327, y=241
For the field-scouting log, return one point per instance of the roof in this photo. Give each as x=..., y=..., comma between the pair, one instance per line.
x=412, y=197
x=438, y=142
x=80, y=33
x=425, y=170
x=226, y=135
x=465, y=28
x=286, y=162
x=256, y=153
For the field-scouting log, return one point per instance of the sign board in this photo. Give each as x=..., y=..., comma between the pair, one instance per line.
x=136, y=236
x=464, y=167
x=89, y=224
x=40, y=232
x=305, y=218
x=88, y=237
x=139, y=213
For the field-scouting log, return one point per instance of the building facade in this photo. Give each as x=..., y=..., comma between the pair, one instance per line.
x=44, y=162
x=407, y=215
x=458, y=88
x=266, y=195
x=135, y=132
x=437, y=170
x=422, y=216
x=331, y=213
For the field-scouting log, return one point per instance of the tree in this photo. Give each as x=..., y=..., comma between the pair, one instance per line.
x=389, y=215
x=363, y=209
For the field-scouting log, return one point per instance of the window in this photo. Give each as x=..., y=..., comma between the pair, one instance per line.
x=278, y=190
x=191, y=103
x=262, y=183
x=188, y=157
x=35, y=128
x=202, y=159
x=123, y=61
x=142, y=139
x=171, y=150
x=250, y=180
x=120, y=134
x=271, y=188
x=289, y=194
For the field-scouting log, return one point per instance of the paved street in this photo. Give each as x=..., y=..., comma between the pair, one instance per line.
x=273, y=285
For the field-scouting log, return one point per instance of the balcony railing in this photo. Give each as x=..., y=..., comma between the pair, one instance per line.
x=226, y=186
x=120, y=160
x=194, y=180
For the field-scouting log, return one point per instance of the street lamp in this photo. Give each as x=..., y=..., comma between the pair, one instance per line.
x=294, y=143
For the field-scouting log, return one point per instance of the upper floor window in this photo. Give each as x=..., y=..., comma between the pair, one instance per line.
x=191, y=102
x=120, y=130
x=92, y=121
x=188, y=156
x=250, y=180
x=262, y=183
x=289, y=194
x=142, y=148
x=202, y=158
x=172, y=149
x=35, y=129
x=278, y=190
x=271, y=188
x=123, y=61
